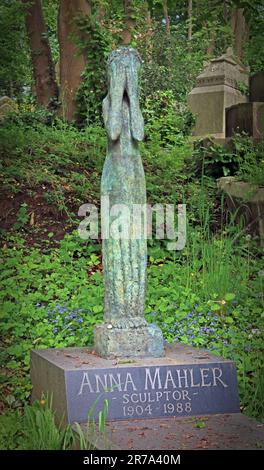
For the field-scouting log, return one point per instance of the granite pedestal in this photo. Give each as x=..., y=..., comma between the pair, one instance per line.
x=184, y=382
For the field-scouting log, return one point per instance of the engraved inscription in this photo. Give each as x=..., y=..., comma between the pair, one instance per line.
x=146, y=392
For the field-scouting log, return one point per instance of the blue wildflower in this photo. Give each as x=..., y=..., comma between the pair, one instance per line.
x=62, y=309
x=55, y=330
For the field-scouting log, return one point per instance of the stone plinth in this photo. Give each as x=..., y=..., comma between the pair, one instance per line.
x=245, y=201
x=245, y=117
x=256, y=87
x=185, y=382
x=217, y=88
x=128, y=342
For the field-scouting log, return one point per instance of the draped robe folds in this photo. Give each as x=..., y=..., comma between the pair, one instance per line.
x=123, y=182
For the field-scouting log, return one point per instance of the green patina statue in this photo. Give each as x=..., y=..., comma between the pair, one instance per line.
x=123, y=181
x=125, y=331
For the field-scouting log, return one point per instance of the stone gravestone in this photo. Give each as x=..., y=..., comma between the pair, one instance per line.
x=246, y=200
x=245, y=117
x=130, y=366
x=248, y=117
x=256, y=87
x=7, y=105
x=217, y=88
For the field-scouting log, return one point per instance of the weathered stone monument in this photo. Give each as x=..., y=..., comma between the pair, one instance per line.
x=245, y=118
x=246, y=200
x=248, y=117
x=128, y=364
x=256, y=87
x=7, y=105
x=217, y=88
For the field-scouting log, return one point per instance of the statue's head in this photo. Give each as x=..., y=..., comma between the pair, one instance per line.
x=123, y=66
x=126, y=55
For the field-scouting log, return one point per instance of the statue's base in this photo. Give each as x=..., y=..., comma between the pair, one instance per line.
x=184, y=382
x=128, y=342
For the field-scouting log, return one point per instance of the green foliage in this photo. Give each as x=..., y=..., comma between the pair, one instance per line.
x=86, y=434
x=15, y=69
x=93, y=88
x=210, y=294
x=217, y=305
x=36, y=429
x=57, y=161
x=200, y=424
x=166, y=121
x=254, y=50
x=50, y=13
x=10, y=430
x=22, y=217
x=65, y=273
x=63, y=164
x=174, y=64
x=40, y=431
x=30, y=119
x=251, y=160
x=213, y=160
x=59, y=297
x=243, y=158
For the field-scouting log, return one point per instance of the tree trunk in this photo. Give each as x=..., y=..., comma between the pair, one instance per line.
x=166, y=15
x=149, y=37
x=190, y=8
x=129, y=23
x=43, y=70
x=72, y=61
x=225, y=10
x=240, y=30
x=101, y=13
x=211, y=46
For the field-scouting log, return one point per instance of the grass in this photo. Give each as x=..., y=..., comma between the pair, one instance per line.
x=89, y=434
x=37, y=429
